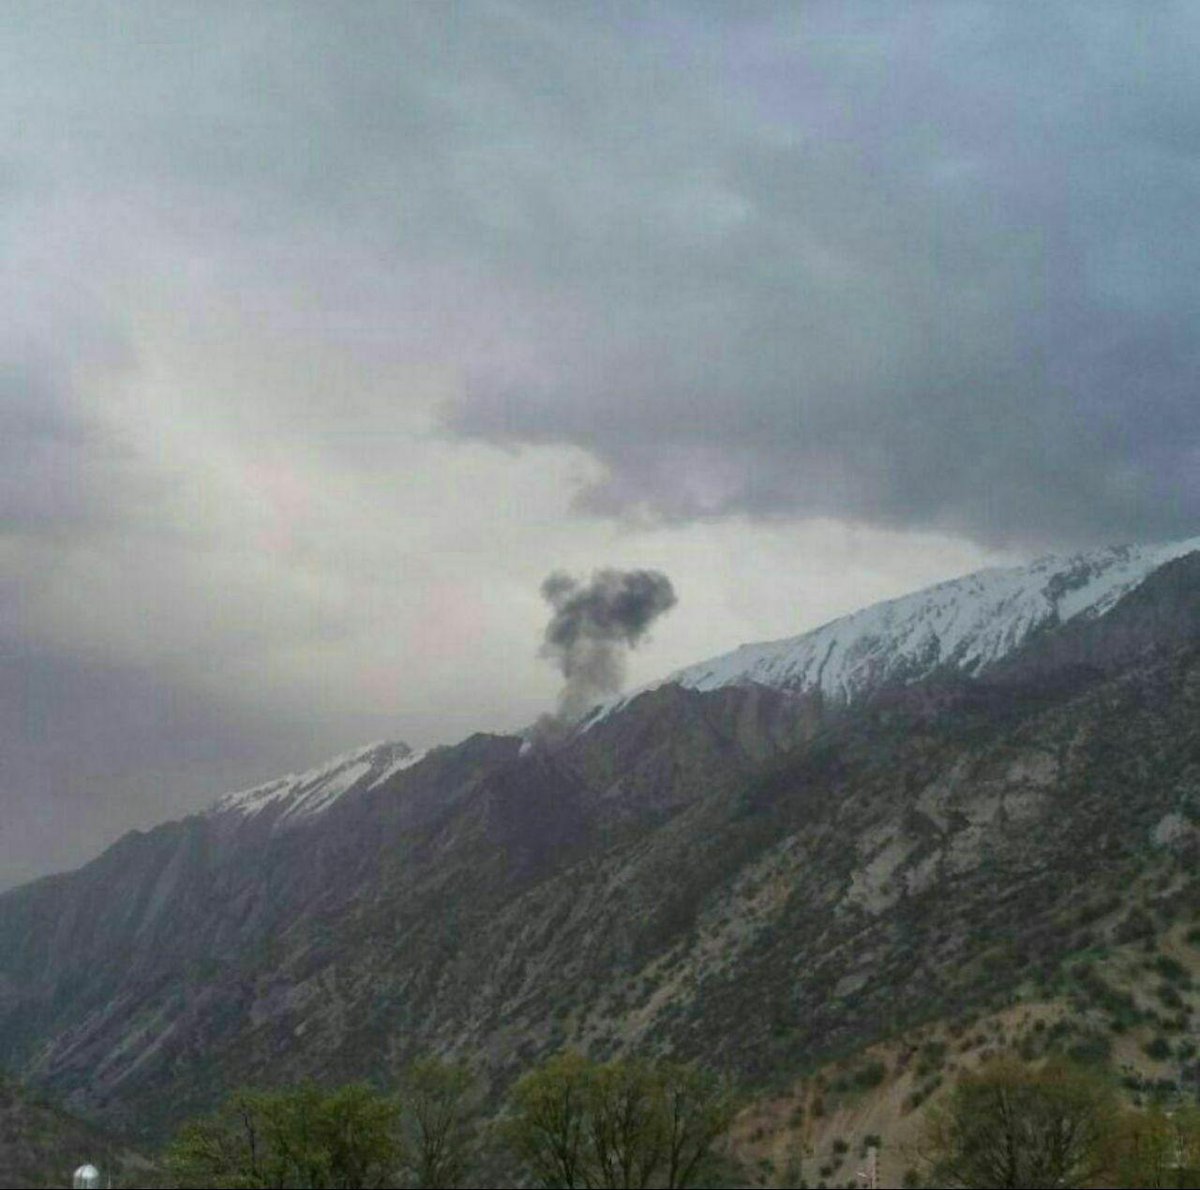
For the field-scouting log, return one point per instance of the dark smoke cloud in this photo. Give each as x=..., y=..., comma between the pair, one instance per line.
x=592, y=626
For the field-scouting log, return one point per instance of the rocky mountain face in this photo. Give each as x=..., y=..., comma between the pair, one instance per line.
x=758, y=876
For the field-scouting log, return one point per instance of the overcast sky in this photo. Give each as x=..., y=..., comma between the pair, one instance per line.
x=329, y=330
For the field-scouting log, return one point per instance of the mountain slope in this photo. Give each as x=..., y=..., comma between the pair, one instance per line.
x=743, y=875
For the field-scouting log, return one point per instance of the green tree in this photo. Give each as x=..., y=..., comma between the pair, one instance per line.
x=1014, y=1125
x=436, y=1100
x=628, y=1123
x=347, y=1139
x=626, y=1127
x=546, y=1129
x=698, y=1110
x=1157, y=1149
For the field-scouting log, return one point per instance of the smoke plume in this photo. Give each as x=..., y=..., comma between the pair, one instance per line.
x=593, y=625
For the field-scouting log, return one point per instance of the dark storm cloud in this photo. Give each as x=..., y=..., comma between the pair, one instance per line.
x=945, y=279
x=593, y=625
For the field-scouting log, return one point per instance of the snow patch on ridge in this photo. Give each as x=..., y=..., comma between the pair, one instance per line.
x=397, y=766
x=296, y=798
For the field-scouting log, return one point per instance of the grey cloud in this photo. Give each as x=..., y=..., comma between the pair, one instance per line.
x=961, y=294
x=60, y=472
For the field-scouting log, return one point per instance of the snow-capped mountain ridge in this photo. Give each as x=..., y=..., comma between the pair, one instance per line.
x=966, y=623
x=297, y=798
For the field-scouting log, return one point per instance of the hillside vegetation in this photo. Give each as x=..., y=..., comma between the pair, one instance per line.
x=1127, y=1011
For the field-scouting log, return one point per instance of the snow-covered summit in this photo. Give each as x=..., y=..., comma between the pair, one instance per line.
x=294, y=798
x=966, y=623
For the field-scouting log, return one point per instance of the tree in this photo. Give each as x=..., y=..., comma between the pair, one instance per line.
x=698, y=1110
x=1157, y=1149
x=546, y=1128
x=435, y=1095
x=347, y=1139
x=1014, y=1125
x=626, y=1123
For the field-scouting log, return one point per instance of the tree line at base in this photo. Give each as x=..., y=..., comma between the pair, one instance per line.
x=571, y=1122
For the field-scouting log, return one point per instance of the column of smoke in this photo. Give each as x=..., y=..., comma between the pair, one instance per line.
x=591, y=630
